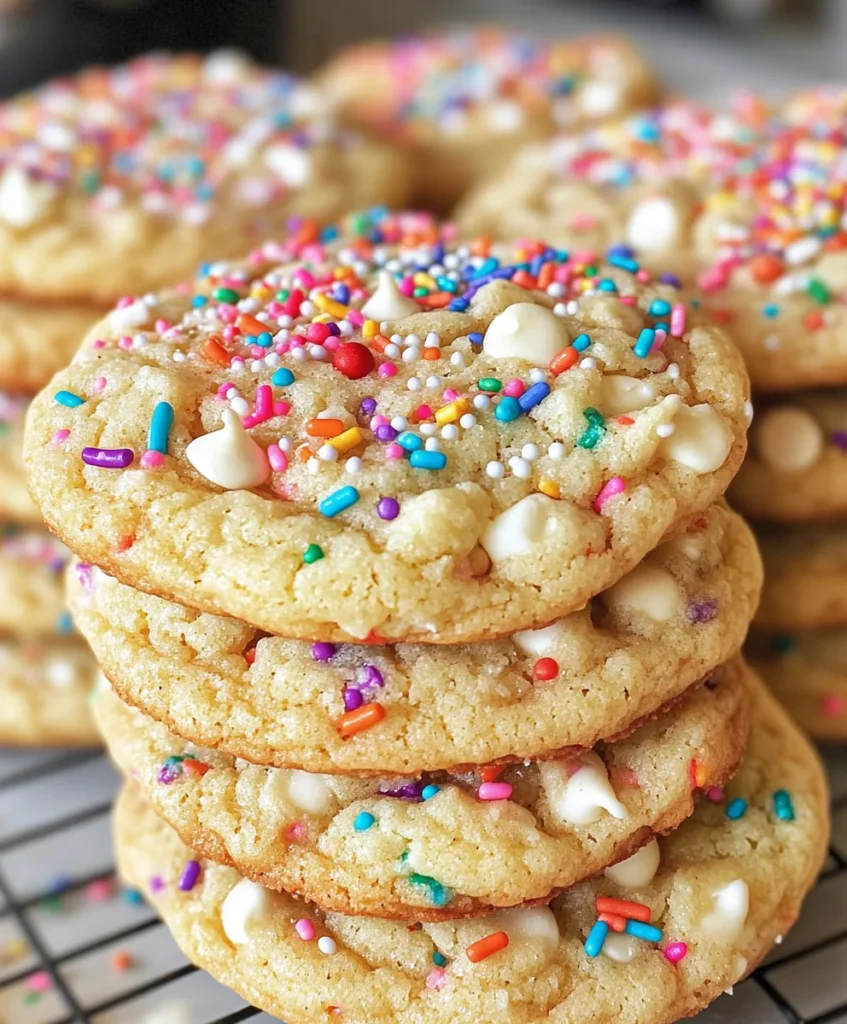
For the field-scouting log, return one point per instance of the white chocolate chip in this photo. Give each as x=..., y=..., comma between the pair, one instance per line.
x=291, y=164
x=638, y=870
x=521, y=529
x=525, y=331
x=620, y=393
x=23, y=201
x=534, y=642
x=731, y=907
x=619, y=947
x=647, y=589
x=532, y=923
x=653, y=225
x=388, y=303
x=599, y=97
x=244, y=904
x=581, y=798
x=788, y=439
x=229, y=457
x=308, y=791
x=701, y=441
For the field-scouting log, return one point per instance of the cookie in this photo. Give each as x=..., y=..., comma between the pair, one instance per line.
x=44, y=694
x=37, y=339
x=749, y=202
x=805, y=577
x=440, y=846
x=461, y=102
x=808, y=672
x=591, y=676
x=416, y=467
x=31, y=565
x=726, y=887
x=796, y=470
x=15, y=502
x=121, y=180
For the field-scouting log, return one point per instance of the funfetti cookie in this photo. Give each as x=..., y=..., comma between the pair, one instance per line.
x=441, y=846
x=121, y=180
x=31, y=583
x=723, y=888
x=747, y=202
x=44, y=694
x=796, y=469
x=807, y=671
x=431, y=442
x=461, y=102
x=405, y=709
x=15, y=502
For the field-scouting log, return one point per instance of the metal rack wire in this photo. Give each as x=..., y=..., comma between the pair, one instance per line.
x=75, y=949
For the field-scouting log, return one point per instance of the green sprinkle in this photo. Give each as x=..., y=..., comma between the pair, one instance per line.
x=419, y=293
x=782, y=805
x=313, y=553
x=595, y=430
x=225, y=295
x=437, y=893
x=489, y=384
x=818, y=290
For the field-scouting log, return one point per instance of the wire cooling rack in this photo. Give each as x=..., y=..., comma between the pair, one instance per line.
x=77, y=949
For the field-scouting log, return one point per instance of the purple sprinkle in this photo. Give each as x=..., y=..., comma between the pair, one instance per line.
x=108, y=458
x=839, y=439
x=385, y=433
x=352, y=698
x=671, y=279
x=156, y=883
x=323, y=651
x=85, y=578
x=702, y=611
x=189, y=877
x=388, y=508
x=369, y=676
x=411, y=791
x=168, y=773
x=368, y=406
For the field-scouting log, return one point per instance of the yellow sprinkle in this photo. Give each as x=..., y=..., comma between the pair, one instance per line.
x=345, y=441
x=328, y=305
x=423, y=280
x=450, y=413
x=370, y=328
x=549, y=487
x=261, y=292
x=323, y=318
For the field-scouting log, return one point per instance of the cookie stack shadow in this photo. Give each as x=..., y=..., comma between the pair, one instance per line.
x=600, y=815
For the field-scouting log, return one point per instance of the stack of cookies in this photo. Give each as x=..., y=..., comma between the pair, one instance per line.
x=422, y=623
x=112, y=183
x=747, y=205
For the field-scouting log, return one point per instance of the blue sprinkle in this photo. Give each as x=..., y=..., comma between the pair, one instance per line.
x=782, y=805
x=160, y=427
x=363, y=821
x=660, y=307
x=661, y=325
x=487, y=267
x=596, y=938
x=475, y=338
x=533, y=396
x=507, y=409
x=736, y=808
x=446, y=284
x=644, y=343
x=428, y=792
x=581, y=343
x=198, y=301
x=133, y=897
x=338, y=501
x=606, y=284
x=439, y=959
x=282, y=377
x=411, y=442
x=619, y=251
x=770, y=311
x=624, y=263
x=643, y=931
x=458, y=305
x=65, y=624
x=69, y=399
x=265, y=339
x=428, y=460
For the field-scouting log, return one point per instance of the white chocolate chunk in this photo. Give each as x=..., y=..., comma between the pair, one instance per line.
x=620, y=947
x=599, y=97
x=528, y=332
x=388, y=302
x=291, y=164
x=309, y=792
x=701, y=440
x=244, y=904
x=521, y=529
x=788, y=439
x=646, y=589
x=537, y=924
x=229, y=457
x=581, y=798
x=505, y=116
x=535, y=642
x=638, y=870
x=691, y=545
x=731, y=906
x=653, y=225
x=23, y=201
x=620, y=393
x=61, y=672
x=129, y=318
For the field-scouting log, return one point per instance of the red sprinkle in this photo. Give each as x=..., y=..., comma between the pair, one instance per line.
x=353, y=359
x=545, y=669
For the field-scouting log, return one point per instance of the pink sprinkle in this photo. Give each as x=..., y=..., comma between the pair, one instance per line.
x=423, y=412
x=678, y=321
x=229, y=332
x=355, y=318
x=99, y=384
x=495, y=791
x=387, y=370
x=277, y=458
x=379, y=421
x=450, y=395
x=282, y=408
x=582, y=221
x=305, y=929
x=223, y=390
x=125, y=342
x=39, y=982
x=296, y=832
x=332, y=343
x=99, y=344
x=659, y=340
x=642, y=275
x=162, y=325
x=626, y=300
x=676, y=951
x=514, y=388
x=394, y=451
x=152, y=460
x=407, y=286
x=302, y=276
x=99, y=890
x=60, y=437
x=715, y=794
x=124, y=301
x=833, y=705
x=227, y=313
x=436, y=979
x=617, y=485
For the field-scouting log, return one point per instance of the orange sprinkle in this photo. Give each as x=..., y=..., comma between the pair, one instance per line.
x=549, y=487
x=194, y=767
x=304, y=453
x=250, y=325
x=250, y=655
x=696, y=774
x=625, y=421
x=365, y=717
x=524, y=279
x=545, y=276
x=435, y=300
x=431, y=352
x=379, y=342
x=125, y=542
x=765, y=268
x=814, y=320
x=486, y=947
x=614, y=921
x=491, y=772
x=324, y=427
x=564, y=360
x=481, y=246
x=625, y=908
x=214, y=351
x=121, y=961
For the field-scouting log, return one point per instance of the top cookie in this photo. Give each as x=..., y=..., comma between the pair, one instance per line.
x=121, y=180
x=748, y=202
x=463, y=101
x=328, y=455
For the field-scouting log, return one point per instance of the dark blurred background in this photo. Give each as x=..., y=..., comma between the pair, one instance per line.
x=699, y=44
